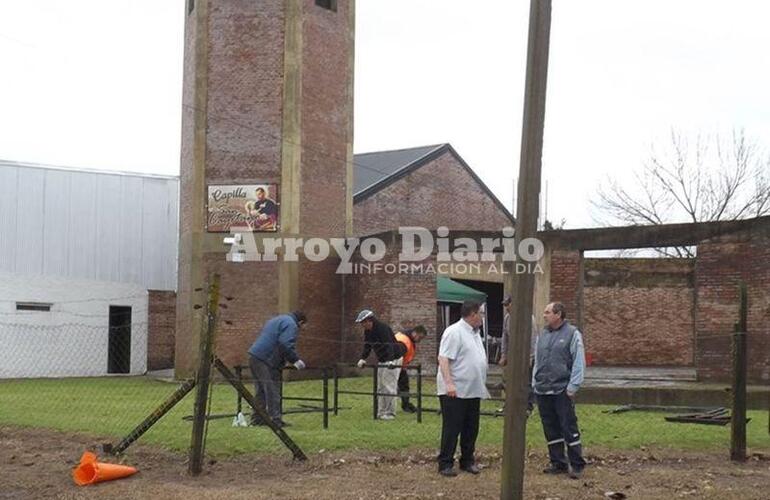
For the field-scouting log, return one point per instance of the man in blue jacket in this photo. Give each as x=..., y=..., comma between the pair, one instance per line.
x=273, y=348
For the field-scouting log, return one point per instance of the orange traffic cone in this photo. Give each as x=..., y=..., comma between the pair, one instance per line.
x=90, y=471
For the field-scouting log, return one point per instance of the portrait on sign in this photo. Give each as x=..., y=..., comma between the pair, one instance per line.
x=255, y=206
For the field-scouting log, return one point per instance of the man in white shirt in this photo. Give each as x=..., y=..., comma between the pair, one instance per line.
x=461, y=384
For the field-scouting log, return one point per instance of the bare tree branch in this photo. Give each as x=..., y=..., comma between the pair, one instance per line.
x=699, y=179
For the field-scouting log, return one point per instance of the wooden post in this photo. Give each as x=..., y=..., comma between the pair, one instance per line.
x=738, y=420
x=521, y=286
x=203, y=378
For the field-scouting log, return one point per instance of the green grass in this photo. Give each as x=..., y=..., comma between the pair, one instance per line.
x=111, y=407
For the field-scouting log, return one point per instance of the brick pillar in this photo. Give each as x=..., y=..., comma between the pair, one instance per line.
x=567, y=282
x=721, y=264
x=267, y=99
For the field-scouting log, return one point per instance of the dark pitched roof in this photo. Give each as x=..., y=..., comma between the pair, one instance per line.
x=375, y=171
x=372, y=168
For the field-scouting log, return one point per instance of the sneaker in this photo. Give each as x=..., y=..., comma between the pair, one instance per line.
x=282, y=423
x=553, y=469
x=386, y=417
x=576, y=473
x=472, y=469
x=448, y=472
x=409, y=408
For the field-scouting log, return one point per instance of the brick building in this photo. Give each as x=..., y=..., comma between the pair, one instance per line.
x=268, y=100
x=268, y=93
x=429, y=187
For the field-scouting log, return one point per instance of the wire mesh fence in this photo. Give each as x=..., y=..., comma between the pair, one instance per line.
x=83, y=375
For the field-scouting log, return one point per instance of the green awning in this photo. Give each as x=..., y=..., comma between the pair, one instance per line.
x=449, y=290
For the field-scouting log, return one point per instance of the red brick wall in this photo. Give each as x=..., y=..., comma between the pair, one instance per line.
x=326, y=109
x=721, y=265
x=160, y=329
x=254, y=289
x=245, y=90
x=639, y=311
x=671, y=314
x=565, y=281
x=440, y=193
x=321, y=299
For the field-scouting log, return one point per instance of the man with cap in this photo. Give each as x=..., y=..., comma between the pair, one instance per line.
x=410, y=337
x=273, y=348
x=379, y=337
x=507, y=306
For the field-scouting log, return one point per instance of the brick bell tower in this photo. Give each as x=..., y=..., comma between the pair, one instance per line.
x=267, y=100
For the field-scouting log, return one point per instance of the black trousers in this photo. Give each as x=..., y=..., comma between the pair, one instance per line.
x=557, y=412
x=403, y=386
x=459, y=417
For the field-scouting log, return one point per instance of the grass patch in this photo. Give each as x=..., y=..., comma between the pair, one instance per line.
x=111, y=407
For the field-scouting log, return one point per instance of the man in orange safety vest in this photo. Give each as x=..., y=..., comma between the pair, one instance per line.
x=410, y=337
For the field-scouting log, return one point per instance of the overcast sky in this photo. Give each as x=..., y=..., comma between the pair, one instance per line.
x=97, y=83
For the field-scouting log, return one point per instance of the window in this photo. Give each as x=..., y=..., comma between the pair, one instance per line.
x=327, y=4
x=33, y=306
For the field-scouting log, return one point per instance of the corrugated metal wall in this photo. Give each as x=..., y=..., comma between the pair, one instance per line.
x=88, y=224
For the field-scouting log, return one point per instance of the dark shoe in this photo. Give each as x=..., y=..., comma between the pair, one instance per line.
x=282, y=423
x=448, y=472
x=553, y=469
x=257, y=423
x=576, y=473
x=409, y=408
x=472, y=468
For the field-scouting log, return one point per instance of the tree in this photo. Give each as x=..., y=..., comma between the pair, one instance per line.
x=700, y=179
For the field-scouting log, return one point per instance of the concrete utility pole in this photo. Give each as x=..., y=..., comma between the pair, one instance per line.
x=521, y=287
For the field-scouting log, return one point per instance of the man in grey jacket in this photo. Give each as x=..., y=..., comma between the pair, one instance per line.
x=556, y=378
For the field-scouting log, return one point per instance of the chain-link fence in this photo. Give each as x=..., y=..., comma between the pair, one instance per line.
x=87, y=374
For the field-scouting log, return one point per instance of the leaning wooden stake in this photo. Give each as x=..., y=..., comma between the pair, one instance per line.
x=147, y=423
x=260, y=411
x=738, y=422
x=203, y=378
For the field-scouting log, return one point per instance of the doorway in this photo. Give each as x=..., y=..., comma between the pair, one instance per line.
x=119, y=347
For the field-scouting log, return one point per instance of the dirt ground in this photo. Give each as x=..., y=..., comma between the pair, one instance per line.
x=38, y=464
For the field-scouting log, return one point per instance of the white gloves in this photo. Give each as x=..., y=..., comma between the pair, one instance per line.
x=391, y=364
x=299, y=365
x=361, y=363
